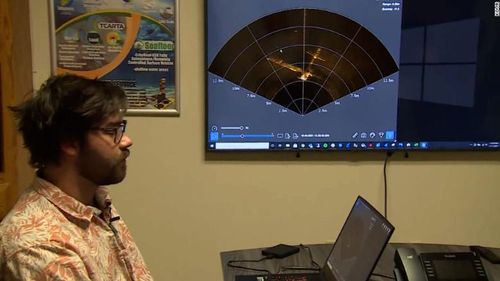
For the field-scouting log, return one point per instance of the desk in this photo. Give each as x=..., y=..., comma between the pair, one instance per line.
x=321, y=251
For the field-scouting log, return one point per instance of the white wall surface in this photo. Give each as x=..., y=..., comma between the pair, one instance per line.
x=184, y=207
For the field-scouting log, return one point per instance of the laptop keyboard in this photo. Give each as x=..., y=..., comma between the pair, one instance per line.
x=279, y=277
x=289, y=277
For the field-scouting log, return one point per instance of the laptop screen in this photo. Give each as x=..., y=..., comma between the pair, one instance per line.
x=359, y=245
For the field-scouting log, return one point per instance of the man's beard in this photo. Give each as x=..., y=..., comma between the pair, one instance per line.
x=101, y=170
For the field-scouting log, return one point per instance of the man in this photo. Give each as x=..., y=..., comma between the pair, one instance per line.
x=63, y=227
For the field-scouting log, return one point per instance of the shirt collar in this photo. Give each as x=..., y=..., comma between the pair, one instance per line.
x=73, y=207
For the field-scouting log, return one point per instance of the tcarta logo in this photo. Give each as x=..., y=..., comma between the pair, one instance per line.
x=111, y=25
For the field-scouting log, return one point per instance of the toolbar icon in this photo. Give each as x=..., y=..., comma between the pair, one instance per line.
x=214, y=136
x=389, y=135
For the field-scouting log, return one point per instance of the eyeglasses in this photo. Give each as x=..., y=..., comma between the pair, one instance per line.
x=117, y=132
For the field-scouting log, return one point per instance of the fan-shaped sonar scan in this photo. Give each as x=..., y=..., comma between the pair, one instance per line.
x=303, y=59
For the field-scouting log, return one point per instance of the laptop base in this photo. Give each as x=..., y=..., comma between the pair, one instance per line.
x=280, y=277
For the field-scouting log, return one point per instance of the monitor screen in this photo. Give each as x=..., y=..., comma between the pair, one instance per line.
x=353, y=74
x=359, y=245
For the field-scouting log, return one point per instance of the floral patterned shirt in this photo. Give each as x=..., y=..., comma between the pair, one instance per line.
x=49, y=235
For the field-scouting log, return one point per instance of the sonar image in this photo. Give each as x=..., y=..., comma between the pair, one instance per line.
x=303, y=59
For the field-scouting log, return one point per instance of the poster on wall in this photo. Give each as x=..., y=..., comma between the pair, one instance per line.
x=131, y=43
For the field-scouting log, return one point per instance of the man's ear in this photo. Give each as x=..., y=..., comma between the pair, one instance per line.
x=70, y=148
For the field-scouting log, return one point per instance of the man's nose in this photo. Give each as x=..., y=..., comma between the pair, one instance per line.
x=126, y=141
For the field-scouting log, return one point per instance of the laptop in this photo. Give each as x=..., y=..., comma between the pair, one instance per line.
x=355, y=253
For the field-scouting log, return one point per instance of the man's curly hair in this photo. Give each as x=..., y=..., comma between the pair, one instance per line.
x=64, y=109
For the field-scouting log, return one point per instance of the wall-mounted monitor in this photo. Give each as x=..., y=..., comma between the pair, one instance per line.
x=353, y=75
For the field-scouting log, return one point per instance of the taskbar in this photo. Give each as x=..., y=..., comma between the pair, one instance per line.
x=392, y=145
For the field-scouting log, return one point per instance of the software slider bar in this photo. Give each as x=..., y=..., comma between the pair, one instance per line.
x=246, y=136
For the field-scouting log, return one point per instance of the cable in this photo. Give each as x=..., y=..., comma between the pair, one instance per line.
x=285, y=268
x=387, y=156
x=315, y=267
x=318, y=267
x=313, y=262
x=384, y=276
x=230, y=264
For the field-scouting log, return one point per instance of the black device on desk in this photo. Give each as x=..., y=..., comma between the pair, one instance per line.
x=463, y=266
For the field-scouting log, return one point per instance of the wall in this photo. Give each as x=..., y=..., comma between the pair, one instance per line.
x=184, y=207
